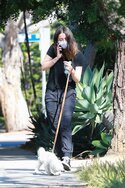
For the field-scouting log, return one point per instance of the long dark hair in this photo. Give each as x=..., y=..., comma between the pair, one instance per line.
x=70, y=52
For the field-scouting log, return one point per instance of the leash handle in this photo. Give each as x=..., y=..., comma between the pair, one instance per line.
x=61, y=112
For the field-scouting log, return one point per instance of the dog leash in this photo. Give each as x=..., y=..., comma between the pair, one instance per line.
x=61, y=112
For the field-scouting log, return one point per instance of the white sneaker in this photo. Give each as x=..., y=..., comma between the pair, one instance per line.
x=66, y=163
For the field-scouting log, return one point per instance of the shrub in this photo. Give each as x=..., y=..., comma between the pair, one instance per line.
x=94, y=98
x=104, y=175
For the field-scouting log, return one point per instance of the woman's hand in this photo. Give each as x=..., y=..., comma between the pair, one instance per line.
x=48, y=61
x=68, y=66
x=75, y=73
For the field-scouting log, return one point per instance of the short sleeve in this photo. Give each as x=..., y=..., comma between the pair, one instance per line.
x=51, y=51
x=79, y=59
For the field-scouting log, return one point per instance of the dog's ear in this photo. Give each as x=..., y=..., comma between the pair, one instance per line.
x=41, y=150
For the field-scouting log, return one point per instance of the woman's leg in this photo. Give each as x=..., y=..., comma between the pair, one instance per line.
x=53, y=104
x=66, y=129
x=52, y=100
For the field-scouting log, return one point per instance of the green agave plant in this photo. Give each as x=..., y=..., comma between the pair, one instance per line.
x=42, y=134
x=102, y=145
x=94, y=98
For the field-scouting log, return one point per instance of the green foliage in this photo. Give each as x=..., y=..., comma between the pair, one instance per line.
x=83, y=140
x=1, y=57
x=32, y=102
x=90, y=20
x=104, y=175
x=102, y=145
x=42, y=135
x=2, y=122
x=12, y=8
x=94, y=97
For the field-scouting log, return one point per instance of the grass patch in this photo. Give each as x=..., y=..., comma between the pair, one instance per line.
x=104, y=175
x=2, y=122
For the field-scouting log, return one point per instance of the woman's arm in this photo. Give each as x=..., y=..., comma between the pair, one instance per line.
x=76, y=73
x=48, y=61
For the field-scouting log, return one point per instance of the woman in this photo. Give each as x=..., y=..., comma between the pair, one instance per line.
x=62, y=57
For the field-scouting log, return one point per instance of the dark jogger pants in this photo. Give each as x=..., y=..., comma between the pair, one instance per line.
x=53, y=100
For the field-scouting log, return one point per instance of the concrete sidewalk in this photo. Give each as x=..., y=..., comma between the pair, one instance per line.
x=17, y=166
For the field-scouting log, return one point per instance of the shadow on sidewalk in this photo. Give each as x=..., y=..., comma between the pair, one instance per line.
x=15, y=153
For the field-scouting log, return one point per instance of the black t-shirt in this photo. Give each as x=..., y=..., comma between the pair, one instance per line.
x=57, y=77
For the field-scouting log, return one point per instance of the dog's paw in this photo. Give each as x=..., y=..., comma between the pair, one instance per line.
x=57, y=173
x=37, y=172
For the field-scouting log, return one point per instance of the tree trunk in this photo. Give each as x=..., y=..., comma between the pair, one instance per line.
x=13, y=104
x=118, y=141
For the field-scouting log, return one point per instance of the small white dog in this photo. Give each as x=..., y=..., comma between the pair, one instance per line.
x=50, y=162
